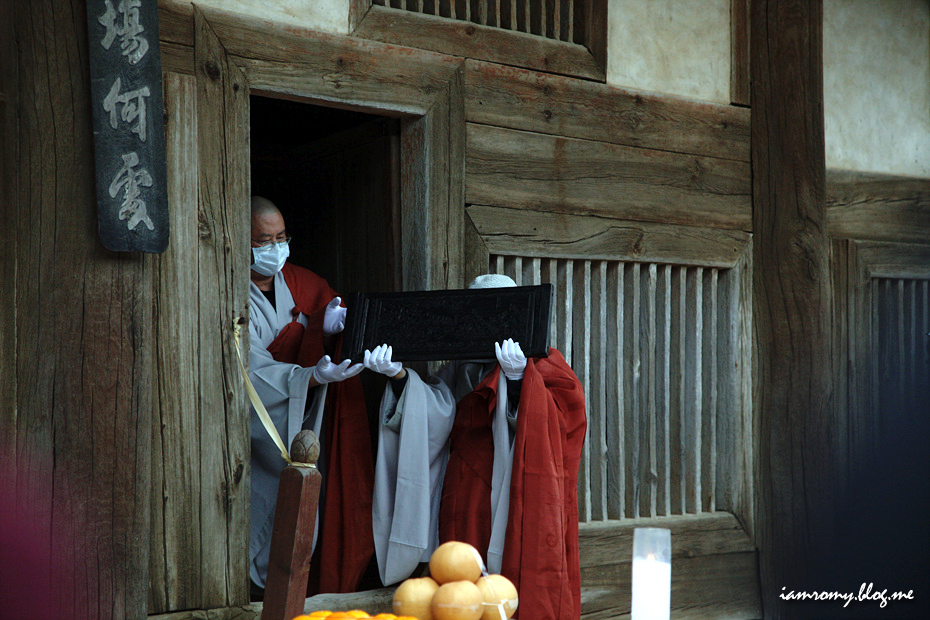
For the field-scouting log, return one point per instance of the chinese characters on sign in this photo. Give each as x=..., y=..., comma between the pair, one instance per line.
x=129, y=139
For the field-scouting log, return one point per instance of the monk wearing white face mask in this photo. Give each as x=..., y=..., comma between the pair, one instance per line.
x=296, y=317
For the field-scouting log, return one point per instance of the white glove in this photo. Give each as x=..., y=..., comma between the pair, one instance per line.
x=327, y=372
x=334, y=318
x=379, y=360
x=511, y=358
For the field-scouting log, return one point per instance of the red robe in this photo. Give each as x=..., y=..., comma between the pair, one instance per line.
x=345, y=544
x=541, y=546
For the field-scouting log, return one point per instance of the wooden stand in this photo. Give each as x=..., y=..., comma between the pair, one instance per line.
x=292, y=538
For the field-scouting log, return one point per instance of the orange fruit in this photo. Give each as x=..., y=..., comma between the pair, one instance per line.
x=498, y=593
x=457, y=600
x=358, y=613
x=455, y=561
x=385, y=617
x=323, y=613
x=413, y=596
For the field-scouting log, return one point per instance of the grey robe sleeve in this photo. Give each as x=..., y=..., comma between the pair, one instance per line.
x=411, y=463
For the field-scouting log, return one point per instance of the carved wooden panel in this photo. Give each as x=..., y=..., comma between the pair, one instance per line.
x=450, y=324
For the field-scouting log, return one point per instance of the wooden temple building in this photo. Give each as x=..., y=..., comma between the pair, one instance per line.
x=731, y=199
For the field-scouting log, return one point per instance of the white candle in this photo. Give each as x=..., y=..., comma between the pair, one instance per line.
x=652, y=574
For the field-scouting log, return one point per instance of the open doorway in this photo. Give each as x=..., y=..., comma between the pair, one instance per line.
x=335, y=175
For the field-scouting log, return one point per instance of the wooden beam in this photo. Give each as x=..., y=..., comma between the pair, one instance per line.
x=334, y=70
x=794, y=473
x=524, y=232
x=470, y=40
x=550, y=104
x=878, y=207
x=527, y=170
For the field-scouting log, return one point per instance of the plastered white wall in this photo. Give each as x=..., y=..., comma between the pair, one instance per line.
x=324, y=15
x=877, y=85
x=678, y=47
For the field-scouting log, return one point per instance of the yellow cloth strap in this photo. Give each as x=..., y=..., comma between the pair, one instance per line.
x=260, y=408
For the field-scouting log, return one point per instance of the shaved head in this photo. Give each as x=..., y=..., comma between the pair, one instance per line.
x=263, y=206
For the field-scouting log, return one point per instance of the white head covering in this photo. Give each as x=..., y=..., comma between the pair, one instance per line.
x=492, y=280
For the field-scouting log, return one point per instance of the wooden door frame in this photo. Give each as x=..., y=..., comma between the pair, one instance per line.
x=424, y=89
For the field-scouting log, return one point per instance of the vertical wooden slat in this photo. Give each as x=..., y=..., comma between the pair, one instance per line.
x=615, y=400
x=663, y=388
x=693, y=393
x=543, y=17
x=526, y=16
x=550, y=275
x=582, y=366
x=634, y=355
x=566, y=279
x=598, y=407
x=871, y=433
x=900, y=338
x=710, y=384
x=649, y=429
x=556, y=20
x=677, y=353
x=924, y=356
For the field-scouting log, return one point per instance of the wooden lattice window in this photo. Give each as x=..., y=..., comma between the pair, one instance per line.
x=561, y=20
x=567, y=37
x=900, y=340
x=659, y=350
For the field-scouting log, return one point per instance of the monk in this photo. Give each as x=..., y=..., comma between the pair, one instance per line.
x=486, y=452
x=295, y=326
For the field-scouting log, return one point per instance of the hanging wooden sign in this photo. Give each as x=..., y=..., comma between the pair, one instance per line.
x=128, y=120
x=450, y=324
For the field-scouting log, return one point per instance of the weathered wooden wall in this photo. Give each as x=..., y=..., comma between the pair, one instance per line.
x=76, y=343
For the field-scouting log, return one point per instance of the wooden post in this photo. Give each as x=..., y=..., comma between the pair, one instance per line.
x=76, y=363
x=292, y=537
x=791, y=300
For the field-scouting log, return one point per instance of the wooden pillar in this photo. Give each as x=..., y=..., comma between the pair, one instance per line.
x=791, y=300
x=75, y=335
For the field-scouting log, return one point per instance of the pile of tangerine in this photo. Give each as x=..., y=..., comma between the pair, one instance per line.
x=350, y=615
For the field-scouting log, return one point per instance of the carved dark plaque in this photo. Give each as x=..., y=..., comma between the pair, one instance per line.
x=448, y=325
x=129, y=129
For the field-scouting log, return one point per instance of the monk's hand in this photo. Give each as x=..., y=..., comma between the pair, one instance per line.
x=327, y=372
x=334, y=317
x=379, y=360
x=511, y=358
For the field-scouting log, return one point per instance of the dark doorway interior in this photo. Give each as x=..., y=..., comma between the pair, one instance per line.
x=335, y=176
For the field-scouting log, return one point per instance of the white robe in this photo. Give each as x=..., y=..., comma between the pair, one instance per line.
x=413, y=451
x=282, y=388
